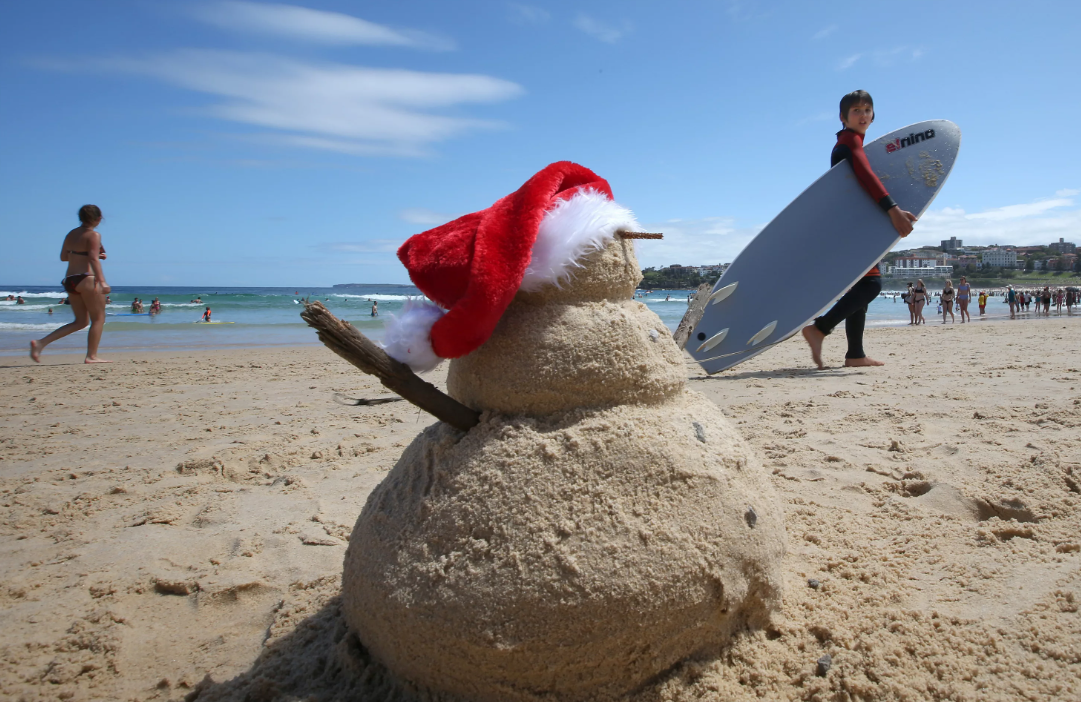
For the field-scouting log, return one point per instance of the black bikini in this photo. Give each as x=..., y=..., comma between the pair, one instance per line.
x=71, y=282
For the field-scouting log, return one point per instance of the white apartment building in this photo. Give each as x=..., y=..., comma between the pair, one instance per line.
x=913, y=272
x=1000, y=258
x=917, y=262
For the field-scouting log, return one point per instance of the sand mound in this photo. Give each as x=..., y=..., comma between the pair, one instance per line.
x=575, y=556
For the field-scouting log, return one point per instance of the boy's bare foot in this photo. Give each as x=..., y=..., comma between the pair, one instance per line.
x=35, y=352
x=95, y=360
x=814, y=339
x=865, y=361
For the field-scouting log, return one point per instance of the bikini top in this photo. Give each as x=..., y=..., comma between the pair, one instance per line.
x=84, y=253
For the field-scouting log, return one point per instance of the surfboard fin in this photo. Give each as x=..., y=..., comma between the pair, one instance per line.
x=722, y=293
x=761, y=335
x=712, y=341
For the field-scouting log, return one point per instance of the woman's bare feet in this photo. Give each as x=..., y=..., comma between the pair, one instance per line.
x=35, y=352
x=814, y=339
x=865, y=361
x=95, y=360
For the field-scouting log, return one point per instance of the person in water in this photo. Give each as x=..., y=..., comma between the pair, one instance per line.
x=857, y=114
x=84, y=283
x=206, y=315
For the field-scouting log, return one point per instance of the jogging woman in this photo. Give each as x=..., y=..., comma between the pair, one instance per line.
x=84, y=283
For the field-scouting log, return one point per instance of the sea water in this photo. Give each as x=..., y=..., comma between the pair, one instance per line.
x=268, y=316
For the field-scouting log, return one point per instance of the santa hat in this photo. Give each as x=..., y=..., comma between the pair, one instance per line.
x=472, y=267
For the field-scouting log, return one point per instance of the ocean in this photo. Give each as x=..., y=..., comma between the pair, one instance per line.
x=263, y=316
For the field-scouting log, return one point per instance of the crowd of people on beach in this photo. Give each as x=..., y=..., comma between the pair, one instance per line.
x=951, y=300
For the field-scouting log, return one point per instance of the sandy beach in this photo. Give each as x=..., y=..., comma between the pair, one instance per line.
x=174, y=524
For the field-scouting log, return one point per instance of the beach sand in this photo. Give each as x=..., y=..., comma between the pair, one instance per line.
x=174, y=525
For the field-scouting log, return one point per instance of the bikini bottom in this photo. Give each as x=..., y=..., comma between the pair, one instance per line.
x=72, y=281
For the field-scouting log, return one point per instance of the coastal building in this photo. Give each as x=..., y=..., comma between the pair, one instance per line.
x=952, y=244
x=715, y=269
x=1063, y=247
x=912, y=267
x=1069, y=261
x=917, y=262
x=1000, y=258
x=964, y=261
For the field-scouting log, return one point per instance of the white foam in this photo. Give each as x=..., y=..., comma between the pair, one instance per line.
x=16, y=326
x=380, y=297
x=30, y=307
x=59, y=294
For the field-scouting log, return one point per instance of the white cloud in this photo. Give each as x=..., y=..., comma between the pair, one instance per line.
x=1067, y=192
x=1027, y=224
x=527, y=14
x=824, y=32
x=369, y=246
x=317, y=26
x=694, y=241
x=1025, y=210
x=848, y=62
x=605, y=32
x=427, y=218
x=345, y=108
x=889, y=57
x=885, y=58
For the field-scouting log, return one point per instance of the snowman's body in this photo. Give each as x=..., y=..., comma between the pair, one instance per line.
x=599, y=525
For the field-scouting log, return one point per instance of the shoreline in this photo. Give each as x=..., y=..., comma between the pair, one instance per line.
x=300, y=335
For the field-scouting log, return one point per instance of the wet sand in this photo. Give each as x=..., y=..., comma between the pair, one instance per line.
x=175, y=523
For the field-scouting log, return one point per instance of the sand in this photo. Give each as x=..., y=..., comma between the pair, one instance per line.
x=180, y=544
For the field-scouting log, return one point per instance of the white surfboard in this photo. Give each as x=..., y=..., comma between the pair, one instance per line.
x=819, y=245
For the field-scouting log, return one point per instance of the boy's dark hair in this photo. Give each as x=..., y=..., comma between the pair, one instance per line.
x=854, y=98
x=89, y=213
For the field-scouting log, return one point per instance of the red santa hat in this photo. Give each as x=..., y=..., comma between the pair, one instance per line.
x=472, y=267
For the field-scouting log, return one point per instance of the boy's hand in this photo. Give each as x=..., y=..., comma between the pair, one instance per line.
x=902, y=220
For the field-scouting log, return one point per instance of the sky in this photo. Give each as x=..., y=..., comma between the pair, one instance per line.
x=248, y=143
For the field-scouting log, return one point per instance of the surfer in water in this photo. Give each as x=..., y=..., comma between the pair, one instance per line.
x=857, y=114
x=206, y=315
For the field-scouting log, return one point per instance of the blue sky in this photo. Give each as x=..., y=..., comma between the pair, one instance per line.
x=243, y=143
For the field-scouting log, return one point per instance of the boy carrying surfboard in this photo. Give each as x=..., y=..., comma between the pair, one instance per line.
x=857, y=114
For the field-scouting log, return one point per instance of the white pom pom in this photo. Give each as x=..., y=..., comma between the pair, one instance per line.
x=408, y=335
x=570, y=230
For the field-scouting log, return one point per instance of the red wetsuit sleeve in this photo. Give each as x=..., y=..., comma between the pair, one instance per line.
x=850, y=148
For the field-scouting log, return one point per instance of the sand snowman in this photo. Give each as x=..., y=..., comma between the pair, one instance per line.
x=601, y=523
